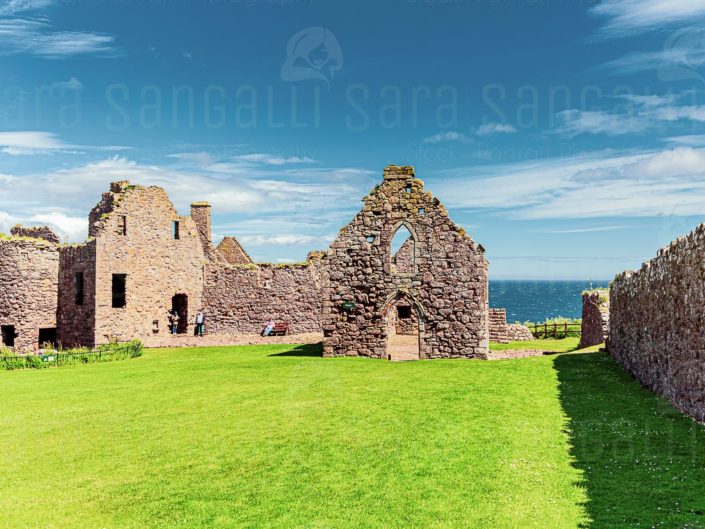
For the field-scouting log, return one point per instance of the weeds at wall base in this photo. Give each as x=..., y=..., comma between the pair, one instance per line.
x=105, y=353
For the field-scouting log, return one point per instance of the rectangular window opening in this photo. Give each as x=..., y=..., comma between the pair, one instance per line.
x=47, y=338
x=175, y=230
x=404, y=312
x=122, y=225
x=79, y=288
x=119, y=287
x=8, y=335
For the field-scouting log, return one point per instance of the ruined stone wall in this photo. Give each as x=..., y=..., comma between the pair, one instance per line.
x=29, y=274
x=35, y=232
x=233, y=252
x=657, y=323
x=595, y=319
x=133, y=236
x=502, y=332
x=240, y=298
x=76, y=318
x=447, y=286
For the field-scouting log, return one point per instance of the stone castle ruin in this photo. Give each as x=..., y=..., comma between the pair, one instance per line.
x=427, y=300
x=426, y=297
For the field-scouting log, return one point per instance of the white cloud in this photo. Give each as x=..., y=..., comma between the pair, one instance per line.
x=288, y=239
x=262, y=191
x=29, y=142
x=574, y=122
x=451, y=135
x=72, y=84
x=495, y=128
x=643, y=113
x=604, y=184
x=631, y=16
x=32, y=34
x=589, y=229
x=269, y=159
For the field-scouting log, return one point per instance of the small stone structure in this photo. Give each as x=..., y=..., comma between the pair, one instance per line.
x=503, y=332
x=28, y=289
x=443, y=279
x=233, y=252
x=596, y=317
x=35, y=232
x=657, y=323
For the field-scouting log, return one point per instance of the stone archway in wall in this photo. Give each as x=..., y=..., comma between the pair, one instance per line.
x=403, y=317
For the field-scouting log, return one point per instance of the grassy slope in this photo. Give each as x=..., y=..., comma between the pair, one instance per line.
x=270, y=437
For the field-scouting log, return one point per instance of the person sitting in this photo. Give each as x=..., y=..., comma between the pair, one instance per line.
x=268, y=327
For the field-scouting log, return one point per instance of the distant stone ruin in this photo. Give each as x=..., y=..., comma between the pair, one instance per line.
x=503, y=332
x=428, y=299
x=596, y=316
x=657, y=323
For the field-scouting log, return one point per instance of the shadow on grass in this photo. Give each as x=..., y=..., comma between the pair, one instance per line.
x=642, y=462
x=302, y=350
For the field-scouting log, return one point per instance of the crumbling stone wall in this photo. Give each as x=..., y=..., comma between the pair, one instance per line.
x=76, y=321
x=502, y=332
x=35, y=232
x=133, y=231
x=657, y=323
x=29, y=273
x=596, y=316
x=233, y=252
x=240, y=298
x=448, y=286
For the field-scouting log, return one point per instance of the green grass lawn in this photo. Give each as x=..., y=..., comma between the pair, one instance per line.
x=276, y=437
x=556, y=346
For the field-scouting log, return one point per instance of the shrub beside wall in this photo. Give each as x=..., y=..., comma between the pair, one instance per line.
x=104, y=353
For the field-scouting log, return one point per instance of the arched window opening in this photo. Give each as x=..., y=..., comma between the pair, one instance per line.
x=403, y=252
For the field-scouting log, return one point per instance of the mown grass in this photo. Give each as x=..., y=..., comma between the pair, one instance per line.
x=277, y=437
x=563, y=345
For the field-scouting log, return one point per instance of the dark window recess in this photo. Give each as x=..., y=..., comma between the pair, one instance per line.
x=175, y=230
x=119, y=286
x=8, y=335
x=47, y=337
x=404, y=313
x=79, y=288
x=122, y=225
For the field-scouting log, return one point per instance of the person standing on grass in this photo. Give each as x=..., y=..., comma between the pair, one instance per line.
x=173, y=321
x=200, y=329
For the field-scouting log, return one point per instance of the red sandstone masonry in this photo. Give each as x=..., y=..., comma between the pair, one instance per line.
x=595, y=319
x=29, y=274
x=448, y=288
x=657, y=323
x=502, y=332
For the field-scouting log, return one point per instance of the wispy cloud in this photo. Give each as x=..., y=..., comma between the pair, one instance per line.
x=261, y=189
x=495, y=128
x=633, y=16
x=643, y=113
x=450, y=135
x=24, y=31
x=589, y=229
x=26, y=143
x=602, y=184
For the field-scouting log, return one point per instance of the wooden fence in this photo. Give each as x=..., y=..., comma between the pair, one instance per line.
x=555, y=330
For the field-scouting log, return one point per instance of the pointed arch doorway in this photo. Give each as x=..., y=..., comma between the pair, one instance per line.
x=404, y=320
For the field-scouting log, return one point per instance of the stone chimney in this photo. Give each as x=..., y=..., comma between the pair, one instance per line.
x=399, y=172
x=201, y=215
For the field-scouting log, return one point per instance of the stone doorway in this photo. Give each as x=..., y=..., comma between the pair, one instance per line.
x=179, y=303
x=404, y=329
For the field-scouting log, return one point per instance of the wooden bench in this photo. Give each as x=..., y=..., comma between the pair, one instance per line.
x=280, y=329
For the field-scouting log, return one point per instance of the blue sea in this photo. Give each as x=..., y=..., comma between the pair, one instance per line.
x=537, y=301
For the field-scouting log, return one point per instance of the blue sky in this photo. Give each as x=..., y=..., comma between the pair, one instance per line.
x=566, y=136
